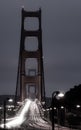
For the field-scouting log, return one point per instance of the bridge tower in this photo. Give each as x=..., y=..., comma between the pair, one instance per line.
x=30, y=76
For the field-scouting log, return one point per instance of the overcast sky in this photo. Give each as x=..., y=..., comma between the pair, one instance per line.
x=61, y=31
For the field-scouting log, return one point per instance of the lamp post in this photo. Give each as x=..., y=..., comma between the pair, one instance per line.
x=54, y=95
x=4, y=113
x=10, y=100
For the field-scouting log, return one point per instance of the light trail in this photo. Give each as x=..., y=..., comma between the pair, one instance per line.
x=29, y=115
x=19, y=118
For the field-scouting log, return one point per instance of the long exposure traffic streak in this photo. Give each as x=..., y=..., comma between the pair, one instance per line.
x=30, y=115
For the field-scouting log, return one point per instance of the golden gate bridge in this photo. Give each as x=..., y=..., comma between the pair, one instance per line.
x=30, y=85
x=30, y=80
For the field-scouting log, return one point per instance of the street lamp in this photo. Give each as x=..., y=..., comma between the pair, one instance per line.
x=78, y=106
x=5, y=101
x=54, y=95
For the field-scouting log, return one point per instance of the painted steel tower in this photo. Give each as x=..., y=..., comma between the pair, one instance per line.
x=30, y=76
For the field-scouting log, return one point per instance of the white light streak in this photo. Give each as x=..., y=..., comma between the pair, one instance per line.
x=30, y=114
